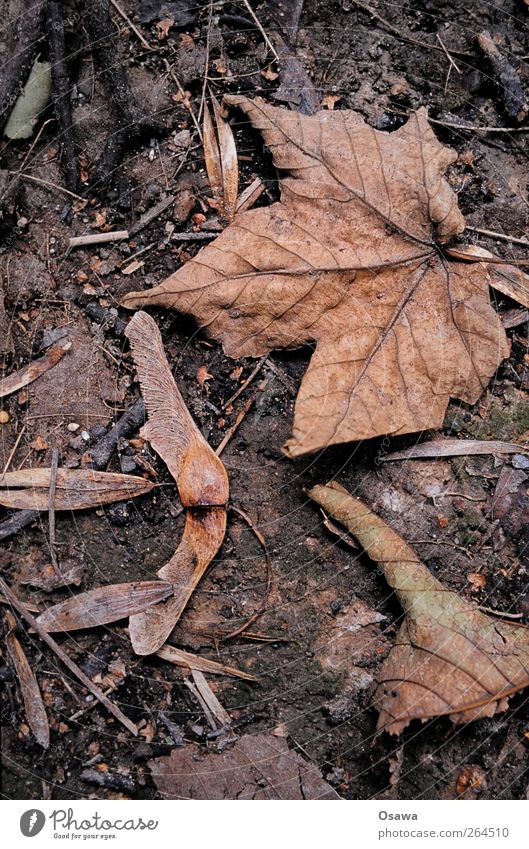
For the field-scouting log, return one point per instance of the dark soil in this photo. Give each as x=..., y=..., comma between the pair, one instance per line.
x=313, y=682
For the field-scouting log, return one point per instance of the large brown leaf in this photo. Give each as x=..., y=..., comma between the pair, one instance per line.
x=449, y=657
x=350, y=259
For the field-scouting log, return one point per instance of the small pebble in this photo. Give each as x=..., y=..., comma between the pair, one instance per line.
x=4, y=417
x=520, y=461
x=85, y=435
x=73, y=427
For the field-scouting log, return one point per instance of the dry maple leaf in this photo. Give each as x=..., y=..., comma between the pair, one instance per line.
x=199, y=474
x=349, y=259
x=448, y=658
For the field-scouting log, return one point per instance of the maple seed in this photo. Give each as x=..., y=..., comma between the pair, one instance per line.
x=349, y=258
x=448, y=658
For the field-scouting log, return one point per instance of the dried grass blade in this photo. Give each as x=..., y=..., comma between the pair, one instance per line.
x=212, y=155
x=203, y=664
x=228, y=161
x=34, y=706
x=104, y=605
x=19, y=379
x=456, y=448
x=76, y=489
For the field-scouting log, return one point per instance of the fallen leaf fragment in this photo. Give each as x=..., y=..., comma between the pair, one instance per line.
x=103, y=605
x=455, y=448
x=202, y=664
x=258, y=766
x=200, y=477
x=505, y=278
x=21, y=378
x=448, y=658
x=31, y=695
x=76, y=489
x=349, y=258
x=220, y=156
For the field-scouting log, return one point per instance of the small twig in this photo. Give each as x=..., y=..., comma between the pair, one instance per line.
x=492, y=234
x=261, y=30
x=129, y=422
x=98, y=238
x=192, y=237
x=150, y=215
x=51, y=504
x=457, y=495
x=501, y=613
x=251, y=193
x=241, y=415
x=129, y=23
x=12, y=452
x=264, y=603
x=50, y=185
x=452, y=63
x=68, y=662
x=474, y=128
x=246, y=383
x=62, y=94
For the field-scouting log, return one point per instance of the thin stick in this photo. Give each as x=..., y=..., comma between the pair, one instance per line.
x=246, y=383
x=12, y=452
x=149, y=216
x=68, y=662
x=241, y=415
x=98, y=238
x=129, y=23
x=264, y=603
x=184, y=98
x=192, y=237
x=261, y=30
x=51, y=504
x=501, y=613
x=502, y=236
x=474, y=128
x=453, y=64
x=50, y=185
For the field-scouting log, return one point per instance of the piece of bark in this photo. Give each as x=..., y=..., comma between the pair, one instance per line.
x=34, y=706
x=448, y=657
x=76, y=489
x=258, y=766
x=21, y=519
x=61, y=94
x=18, y=379
x=510, y=87
x=126, y=425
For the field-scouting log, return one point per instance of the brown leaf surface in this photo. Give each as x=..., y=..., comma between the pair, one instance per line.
x=76, y=489
x=349, y=259
x=34, y=706
x=258, y=766
x=448, y=658
x=103, y=605
x=199, y=474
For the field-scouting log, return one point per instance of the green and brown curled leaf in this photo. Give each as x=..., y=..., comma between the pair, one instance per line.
x=350, y=258
x=449, y=657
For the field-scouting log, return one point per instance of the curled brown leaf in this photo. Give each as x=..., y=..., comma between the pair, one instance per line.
x=448, y=657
